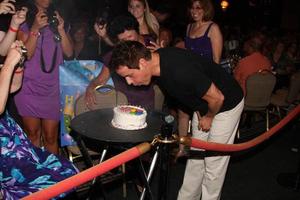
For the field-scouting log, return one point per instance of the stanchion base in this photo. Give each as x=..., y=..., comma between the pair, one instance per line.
x=289, y=180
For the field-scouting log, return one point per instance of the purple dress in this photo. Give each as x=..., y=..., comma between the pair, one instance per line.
x=200, y=45
x=39, y=95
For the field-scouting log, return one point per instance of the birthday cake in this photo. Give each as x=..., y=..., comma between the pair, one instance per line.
x=129, y=117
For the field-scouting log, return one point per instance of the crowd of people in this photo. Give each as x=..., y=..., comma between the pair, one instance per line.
x=138, y=50
x=25, y=165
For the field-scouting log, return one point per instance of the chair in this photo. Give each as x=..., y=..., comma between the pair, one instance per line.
x=259, y=87
x=283, y=98
x=158, y=98
x=106, y=97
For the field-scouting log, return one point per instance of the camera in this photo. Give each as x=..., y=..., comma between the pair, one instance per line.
x=101, y=21
x=53, y=23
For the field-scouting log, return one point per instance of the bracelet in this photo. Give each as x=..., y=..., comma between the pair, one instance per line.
x=20, y=71
x=13, y=30
x=35, y=34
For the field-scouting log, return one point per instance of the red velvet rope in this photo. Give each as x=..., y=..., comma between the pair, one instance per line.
x=200, y=144
x=89, y=174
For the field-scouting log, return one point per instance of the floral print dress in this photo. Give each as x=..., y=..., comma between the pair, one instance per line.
x=24, y=168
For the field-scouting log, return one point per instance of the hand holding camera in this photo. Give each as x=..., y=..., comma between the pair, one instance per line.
x=56, y=23
x=19, y=17
x=100, y=25
x=7, y=6
x=40, y=21
x=16, y=54
x=100, y=30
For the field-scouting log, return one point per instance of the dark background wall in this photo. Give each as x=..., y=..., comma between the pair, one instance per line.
x=244, y=13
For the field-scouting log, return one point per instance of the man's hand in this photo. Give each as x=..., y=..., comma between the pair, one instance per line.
x=205, y=123
x=90, y=97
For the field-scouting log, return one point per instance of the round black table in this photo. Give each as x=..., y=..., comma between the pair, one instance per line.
x=96, y=125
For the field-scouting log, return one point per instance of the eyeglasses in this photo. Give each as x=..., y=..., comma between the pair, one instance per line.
x=196, y=8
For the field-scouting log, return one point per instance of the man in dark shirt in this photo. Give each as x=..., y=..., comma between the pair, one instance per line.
x=123, y=27
x=198, y=85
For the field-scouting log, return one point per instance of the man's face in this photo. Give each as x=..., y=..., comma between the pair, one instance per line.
x=128, y=35
x=135, y=77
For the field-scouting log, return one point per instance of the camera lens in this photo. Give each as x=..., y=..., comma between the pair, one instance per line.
x=101, y=21
x=53, y=21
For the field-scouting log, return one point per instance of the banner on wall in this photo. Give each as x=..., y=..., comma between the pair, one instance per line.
x=74, y=77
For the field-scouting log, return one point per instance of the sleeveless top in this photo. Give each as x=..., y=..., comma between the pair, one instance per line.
x=200, y=45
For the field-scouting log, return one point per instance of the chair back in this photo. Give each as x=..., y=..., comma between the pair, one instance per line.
x=294, y=88
x=158, y=98
x=106, y=97
x=259, y=87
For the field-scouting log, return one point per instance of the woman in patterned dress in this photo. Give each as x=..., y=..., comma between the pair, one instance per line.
x=24, y=168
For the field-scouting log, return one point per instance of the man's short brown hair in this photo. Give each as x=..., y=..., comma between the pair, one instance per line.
x=128, y=53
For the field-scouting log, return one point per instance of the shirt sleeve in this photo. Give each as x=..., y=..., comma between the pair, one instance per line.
x=202, y=85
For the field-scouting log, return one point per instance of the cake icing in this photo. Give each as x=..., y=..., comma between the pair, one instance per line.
x=129, y=117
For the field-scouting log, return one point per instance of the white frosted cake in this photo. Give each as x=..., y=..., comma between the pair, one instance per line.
x=129, y=117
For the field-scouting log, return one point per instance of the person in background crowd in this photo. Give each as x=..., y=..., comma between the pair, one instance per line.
x=165, y=37
x=122, y=28
x=148, y=24
x=84, y=49
x=202, y=86
x=290, y=59
x=277, y=54
x=161, y=10
x=254, y=61
x=37, y=102
x=283, y=63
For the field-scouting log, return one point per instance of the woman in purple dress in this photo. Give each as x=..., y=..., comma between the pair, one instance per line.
x=45, y=38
